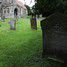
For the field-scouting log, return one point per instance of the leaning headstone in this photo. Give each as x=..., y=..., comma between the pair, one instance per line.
x=33, y=22
x=54, y=30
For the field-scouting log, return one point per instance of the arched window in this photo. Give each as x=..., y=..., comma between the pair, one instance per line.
x=12, y=1
x=8, y=10
x=15, y=11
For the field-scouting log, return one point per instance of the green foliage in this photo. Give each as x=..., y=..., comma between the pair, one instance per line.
x=28, y=9
x=35, y=9
x=48, y=7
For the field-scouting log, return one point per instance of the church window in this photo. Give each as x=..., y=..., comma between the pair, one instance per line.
x=12, y=1
x=8, y=10
x=4, y=11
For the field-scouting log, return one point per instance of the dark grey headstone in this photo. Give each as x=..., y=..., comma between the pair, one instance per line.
x=33, y=22
x=54, y=30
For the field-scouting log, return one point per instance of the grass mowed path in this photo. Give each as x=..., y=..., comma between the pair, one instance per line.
x=22, y=47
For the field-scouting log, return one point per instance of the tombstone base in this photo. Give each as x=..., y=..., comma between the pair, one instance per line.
x=12, y=28
x=34, y=28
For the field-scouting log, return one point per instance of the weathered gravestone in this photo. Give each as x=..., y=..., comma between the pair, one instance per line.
x=54, y=30
x=12, y=25
x=33, y=22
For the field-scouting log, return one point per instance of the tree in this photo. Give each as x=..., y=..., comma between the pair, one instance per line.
x=35, y=9
x=28, y=9
x=47, y=7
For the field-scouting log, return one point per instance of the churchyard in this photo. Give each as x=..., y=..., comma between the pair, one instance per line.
x=22, y=47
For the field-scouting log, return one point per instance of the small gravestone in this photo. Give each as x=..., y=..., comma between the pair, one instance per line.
x=12, y=24
x=33, y=22
x=54, y=30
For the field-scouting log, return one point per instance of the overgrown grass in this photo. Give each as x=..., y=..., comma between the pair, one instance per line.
x=22, y=47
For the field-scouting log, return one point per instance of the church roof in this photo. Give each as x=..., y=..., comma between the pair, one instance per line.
x=21, y=4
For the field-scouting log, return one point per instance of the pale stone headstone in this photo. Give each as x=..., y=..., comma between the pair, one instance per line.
x=12, y=24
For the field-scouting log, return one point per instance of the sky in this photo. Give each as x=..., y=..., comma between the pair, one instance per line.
x=28, y=2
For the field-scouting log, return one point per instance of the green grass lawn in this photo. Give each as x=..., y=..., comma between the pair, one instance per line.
x=22, y=47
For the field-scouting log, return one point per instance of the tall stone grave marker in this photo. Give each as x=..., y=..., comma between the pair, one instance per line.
x=54, y=30
x=33, y=22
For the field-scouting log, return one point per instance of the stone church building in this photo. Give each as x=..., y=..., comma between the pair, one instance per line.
x=9, y=7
